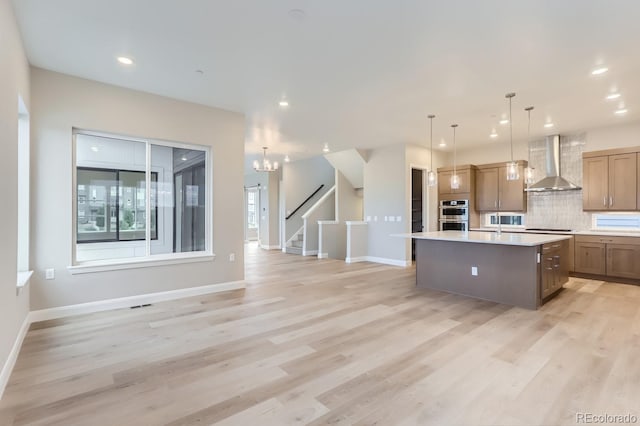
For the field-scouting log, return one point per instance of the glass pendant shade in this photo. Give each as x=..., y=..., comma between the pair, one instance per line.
x=512, y=171
x=528, y=175
x=512, y=166
x=432, y=178
x=455, y=182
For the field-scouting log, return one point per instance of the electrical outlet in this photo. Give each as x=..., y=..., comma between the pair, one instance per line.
x=474, y=271
x=50, y=274
x=232, y=257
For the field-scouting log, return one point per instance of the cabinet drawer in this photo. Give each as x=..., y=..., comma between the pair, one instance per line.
x=607, y=239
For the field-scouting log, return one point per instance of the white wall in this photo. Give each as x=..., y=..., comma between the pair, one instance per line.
x=63, y=102
x=349, y=203
x=14, y=82
x=596, y=139
x=269, y=221
x=299, y=180
x=419, y=157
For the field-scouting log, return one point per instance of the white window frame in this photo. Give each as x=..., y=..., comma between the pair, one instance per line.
x=488, y=224
x=596, y=216
x=24, y=194
x=149, y=259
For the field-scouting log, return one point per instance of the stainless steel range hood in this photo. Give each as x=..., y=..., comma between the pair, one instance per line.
x=553, y=181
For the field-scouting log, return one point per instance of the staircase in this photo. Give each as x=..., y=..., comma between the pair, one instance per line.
x=296, y=245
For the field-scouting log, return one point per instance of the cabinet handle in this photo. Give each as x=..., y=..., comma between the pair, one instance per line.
x=499, y=203
x=604, y=201
x=495, y=203
x=610, y=201
x=555, y=245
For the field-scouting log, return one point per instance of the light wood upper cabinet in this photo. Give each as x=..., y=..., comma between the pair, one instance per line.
x=487, y=189
x=610, y=182
x=444, y=181
x=622, y=181
x=512, y=197
x=495, y=193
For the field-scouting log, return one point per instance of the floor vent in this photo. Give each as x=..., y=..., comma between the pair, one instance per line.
x=140, y=306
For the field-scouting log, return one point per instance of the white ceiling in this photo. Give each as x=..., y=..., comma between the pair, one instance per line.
x=359, y=73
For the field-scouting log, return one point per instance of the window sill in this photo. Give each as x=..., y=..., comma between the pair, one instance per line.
x=158, y=260
x=23, y=280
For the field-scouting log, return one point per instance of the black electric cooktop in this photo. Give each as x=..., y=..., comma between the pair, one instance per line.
x=548, y=229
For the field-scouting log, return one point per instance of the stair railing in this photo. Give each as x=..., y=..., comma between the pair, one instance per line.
x=304, y=202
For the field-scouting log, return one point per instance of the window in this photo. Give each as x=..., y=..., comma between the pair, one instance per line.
x=508, y=219
x=23, y=194
x=111, y=205
x=139, y=198
x=252, y=217
x=617, y=221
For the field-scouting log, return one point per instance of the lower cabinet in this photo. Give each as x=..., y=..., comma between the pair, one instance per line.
x=608, y=256
x=555, y=267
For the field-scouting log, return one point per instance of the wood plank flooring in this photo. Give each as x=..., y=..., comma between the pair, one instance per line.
x=323, y=342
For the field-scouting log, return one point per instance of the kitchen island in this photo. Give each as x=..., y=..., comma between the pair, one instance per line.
x=522, y=270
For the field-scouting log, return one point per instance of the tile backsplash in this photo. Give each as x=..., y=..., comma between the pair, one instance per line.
x=561, y=209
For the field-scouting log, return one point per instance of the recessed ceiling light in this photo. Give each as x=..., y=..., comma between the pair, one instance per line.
x=493, y=135
x=284, y=103
x=613, y=96
x=548, y=125
x=599, y=71
x=184, y=158
x=286, y=158
x=504, y=121
x=125, y=61
x=442, y=143
x=621, y=111
x=325, y=148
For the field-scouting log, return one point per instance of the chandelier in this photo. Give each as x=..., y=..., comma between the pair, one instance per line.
x=266, y=165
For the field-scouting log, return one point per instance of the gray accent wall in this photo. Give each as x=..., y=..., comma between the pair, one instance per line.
x=385, y=195
x=63, y=102
x=14, y=82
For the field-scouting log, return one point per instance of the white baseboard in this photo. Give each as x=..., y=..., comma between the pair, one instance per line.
x=125, y=302
x=309, y=252
x=385, y=261
x=323, y=255
x=13, y=355
x=394, y=262
x=273, y=247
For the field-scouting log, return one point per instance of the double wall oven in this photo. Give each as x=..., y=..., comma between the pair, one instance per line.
x=454, y=215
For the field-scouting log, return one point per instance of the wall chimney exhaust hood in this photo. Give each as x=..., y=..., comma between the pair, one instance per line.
x=553, y=181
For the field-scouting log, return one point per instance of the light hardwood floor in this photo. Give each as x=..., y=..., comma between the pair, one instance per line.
x=320, y=341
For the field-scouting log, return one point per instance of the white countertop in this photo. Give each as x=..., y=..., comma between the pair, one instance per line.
x=587, y=232
x=507, y=238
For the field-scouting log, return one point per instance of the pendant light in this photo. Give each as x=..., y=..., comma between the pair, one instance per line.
x=528, y=172
x=512, y=166
x=455, y=179
x=266, y=165
x=432, y=176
